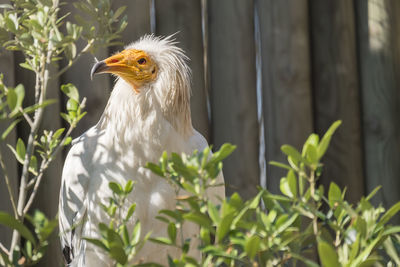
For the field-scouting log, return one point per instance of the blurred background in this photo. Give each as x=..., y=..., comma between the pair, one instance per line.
x=265, y=73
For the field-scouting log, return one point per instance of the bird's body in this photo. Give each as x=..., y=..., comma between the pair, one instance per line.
x=138, y=124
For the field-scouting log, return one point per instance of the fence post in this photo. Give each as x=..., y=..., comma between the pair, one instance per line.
x=336, y=92
x=379, y=53
x=287, y=104
x=233, y=91
x=184, y=19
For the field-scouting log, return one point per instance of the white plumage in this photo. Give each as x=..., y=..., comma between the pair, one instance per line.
x=148, y=112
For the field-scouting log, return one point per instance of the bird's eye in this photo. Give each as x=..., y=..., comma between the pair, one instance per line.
x=142, y=61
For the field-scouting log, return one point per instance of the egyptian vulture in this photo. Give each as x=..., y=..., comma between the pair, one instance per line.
x=148, y=112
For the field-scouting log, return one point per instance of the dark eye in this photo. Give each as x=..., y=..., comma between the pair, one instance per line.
x=142, y=61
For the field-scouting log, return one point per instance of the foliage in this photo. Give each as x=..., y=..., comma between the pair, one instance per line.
x=116, y=240
x=35, y=244
x=35, y=28
x=270, y=229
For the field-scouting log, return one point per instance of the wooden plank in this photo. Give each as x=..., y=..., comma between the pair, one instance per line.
x=184, y=18
x=287, y=100
x=7, y=69
x=336, y=92
x=379, y=59
x=138, y=12
x=233, y=91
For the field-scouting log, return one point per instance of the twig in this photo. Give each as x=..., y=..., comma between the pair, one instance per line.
x=312, y=192
x=27, y=118
x=7, y=179
x=3, y=248
x=43, y=167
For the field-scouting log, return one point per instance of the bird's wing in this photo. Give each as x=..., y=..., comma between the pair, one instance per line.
x=72, y=206
x=216, y=194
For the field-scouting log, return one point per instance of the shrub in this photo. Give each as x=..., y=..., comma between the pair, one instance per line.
x=269, y=229
x=35, y=28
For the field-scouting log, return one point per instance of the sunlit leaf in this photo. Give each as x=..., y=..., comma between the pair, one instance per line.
x=327, y=254
x=9, y=221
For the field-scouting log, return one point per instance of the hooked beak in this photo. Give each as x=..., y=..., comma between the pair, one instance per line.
x=99, y=67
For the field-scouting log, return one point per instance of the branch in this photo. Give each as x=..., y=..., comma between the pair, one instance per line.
x=43, y=77
x=43, y=167
x=7, y=179
x=27, y=118
x=3, y=248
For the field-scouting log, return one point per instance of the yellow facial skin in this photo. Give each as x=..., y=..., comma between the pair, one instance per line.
x=134, y=66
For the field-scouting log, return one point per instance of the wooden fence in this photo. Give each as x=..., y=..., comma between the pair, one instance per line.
x=265, y=73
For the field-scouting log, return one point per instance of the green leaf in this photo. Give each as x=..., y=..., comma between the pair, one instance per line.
x=307, y=262
x=292, y=152
x=252, y=246
x=68, y=140
x=130, y=212
x=283, y=224
x=365, y=253
x=224, y=226
x=38, y=106
x=136, y=234
x=58, y=133
x=25, y=65
x=327, y=254
x=96, y=242
x=33, y=165
x=117, y=252
x=71, y=91
x=118, y=12
x=323, y=145
x=155, y=169
x=372, y=194
x=172, y=232
x=389, y=214
x=198, y=218
x=161, y=240
x=72, y=105
x=11, y=99
x=12, y=27
x=355, y=247
x=391, y=250
x=280, y=165
x=115, y=187
x=285, y=188
x=312, y=154
x=128, y=187
x=292, y=181
x=19, y=93
x=9, y=129
x=125, y=235
x=334, y=194
x=225, y=150
x=9, y=221
x=313, y=140
x=213, y=212
x=173, y=214
x=392, y=230
x=20, y=149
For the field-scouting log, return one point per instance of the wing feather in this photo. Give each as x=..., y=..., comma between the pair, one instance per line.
x=72, y=206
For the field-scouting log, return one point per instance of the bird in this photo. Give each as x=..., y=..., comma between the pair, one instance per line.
x=148, y=112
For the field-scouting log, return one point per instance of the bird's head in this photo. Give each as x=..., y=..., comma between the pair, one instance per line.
x=135, y=66
x=155, y=67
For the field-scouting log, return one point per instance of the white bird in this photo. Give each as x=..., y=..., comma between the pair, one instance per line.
x=148, y=112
